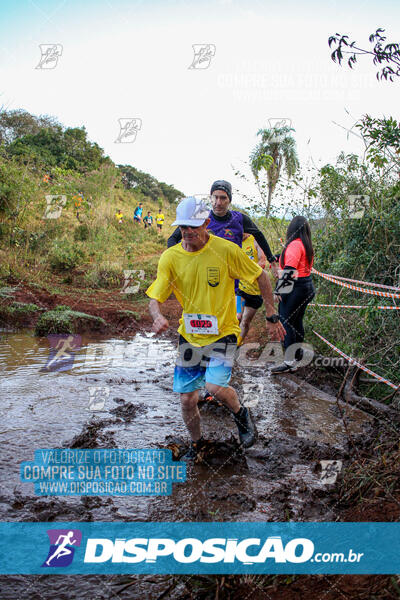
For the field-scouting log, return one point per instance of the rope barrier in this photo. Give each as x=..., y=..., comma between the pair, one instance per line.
x=340, y=281
x=357, y=289
x=352, y=361
x=381, y=285
x=355, y=306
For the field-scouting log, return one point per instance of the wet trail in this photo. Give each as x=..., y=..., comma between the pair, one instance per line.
x=279, y=478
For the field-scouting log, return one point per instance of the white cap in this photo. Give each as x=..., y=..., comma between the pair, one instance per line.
x=191, y=211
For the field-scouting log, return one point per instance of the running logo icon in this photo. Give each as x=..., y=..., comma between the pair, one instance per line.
x=128, y=129
x=55, y=204
x=62, y=547
x=203, y=54
x=62, y=351
x=50, y=53
x=279, y=129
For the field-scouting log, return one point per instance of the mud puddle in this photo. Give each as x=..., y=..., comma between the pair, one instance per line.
x=132, y=406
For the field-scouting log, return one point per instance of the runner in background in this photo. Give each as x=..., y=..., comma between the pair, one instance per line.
x=249, y=293
x=119, y=216
x=201, y=272
x=137, y=215
x=78, y=198
x=294, y=288
x=148, y=220
x=160, y=220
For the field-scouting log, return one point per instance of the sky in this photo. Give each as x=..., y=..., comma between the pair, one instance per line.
x=131, y=60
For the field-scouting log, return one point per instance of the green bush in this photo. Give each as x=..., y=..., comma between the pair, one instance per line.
x=81, y=233
x=64, y=320
x=105, y=276
x=17, y=314
x=36, y=240
x=64, y=256
x=17, y=187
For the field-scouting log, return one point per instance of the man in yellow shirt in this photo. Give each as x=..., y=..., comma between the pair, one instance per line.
x=159, y=219
x=201, y=272
x=249, y=293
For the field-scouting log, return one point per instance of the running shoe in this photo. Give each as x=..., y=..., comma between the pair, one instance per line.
x=246, y=427
x=285, y=367
x=194, y=449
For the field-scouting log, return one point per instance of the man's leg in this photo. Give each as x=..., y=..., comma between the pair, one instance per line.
x=188, y=379
x=241, y=414
x=226, y=395
x=218, y=375
x=190, y=414
x=248, y=316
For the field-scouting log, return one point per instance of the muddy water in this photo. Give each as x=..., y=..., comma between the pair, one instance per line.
x=277, y=479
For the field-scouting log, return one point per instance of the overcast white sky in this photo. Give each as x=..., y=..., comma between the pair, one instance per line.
x=130, y=59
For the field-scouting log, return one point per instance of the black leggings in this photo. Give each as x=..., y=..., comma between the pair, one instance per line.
x=292, y=308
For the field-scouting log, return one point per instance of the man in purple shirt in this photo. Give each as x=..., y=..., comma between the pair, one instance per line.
x=229, y=224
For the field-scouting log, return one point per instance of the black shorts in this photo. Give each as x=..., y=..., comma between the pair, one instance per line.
x=251, y=300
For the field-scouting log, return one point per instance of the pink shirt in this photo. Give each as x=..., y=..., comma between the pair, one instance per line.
x=295, y=256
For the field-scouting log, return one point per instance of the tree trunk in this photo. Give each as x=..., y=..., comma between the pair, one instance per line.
x=270, y=192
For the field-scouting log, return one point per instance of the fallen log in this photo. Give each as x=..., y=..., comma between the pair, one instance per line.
x=377, y=409
x=297, y=385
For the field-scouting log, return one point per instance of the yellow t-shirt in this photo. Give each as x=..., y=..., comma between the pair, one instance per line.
x=119, y=215
x=204, y=283
x=248, y=246
x=159, y=218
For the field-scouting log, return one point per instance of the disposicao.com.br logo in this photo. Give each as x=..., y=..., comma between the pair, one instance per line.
x=213, y=550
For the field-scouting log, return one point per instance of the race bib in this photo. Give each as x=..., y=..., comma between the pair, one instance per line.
x=200, y=324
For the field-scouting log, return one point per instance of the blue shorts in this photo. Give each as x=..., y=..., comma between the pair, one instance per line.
x=197, y=365
x=239, y=304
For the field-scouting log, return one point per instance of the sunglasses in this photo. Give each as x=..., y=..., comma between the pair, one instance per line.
x=189, y=226
x=216, y=197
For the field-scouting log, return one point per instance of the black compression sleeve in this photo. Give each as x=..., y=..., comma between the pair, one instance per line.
x=175, y=238
x=250, y=227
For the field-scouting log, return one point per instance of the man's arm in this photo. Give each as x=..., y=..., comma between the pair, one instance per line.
x=260, y=255
x=175, y=238
x=276, y=331
x=250, y=227
x=160, y=323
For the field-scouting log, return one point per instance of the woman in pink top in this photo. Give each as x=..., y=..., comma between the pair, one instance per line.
x=295, y=290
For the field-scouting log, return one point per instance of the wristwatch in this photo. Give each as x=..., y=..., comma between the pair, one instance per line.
x=273, y=319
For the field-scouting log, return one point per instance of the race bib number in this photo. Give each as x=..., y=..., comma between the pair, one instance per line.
x=200, y=324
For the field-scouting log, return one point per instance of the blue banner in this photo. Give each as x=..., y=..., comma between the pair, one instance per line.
x=194, y=548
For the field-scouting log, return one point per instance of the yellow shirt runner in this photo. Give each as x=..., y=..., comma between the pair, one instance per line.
x=248, y=246
x=204, y=284
x=159, y=218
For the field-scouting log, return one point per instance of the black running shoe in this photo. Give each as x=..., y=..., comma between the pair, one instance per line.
x=246, y=427
x=194, y=449
x=285, y=367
